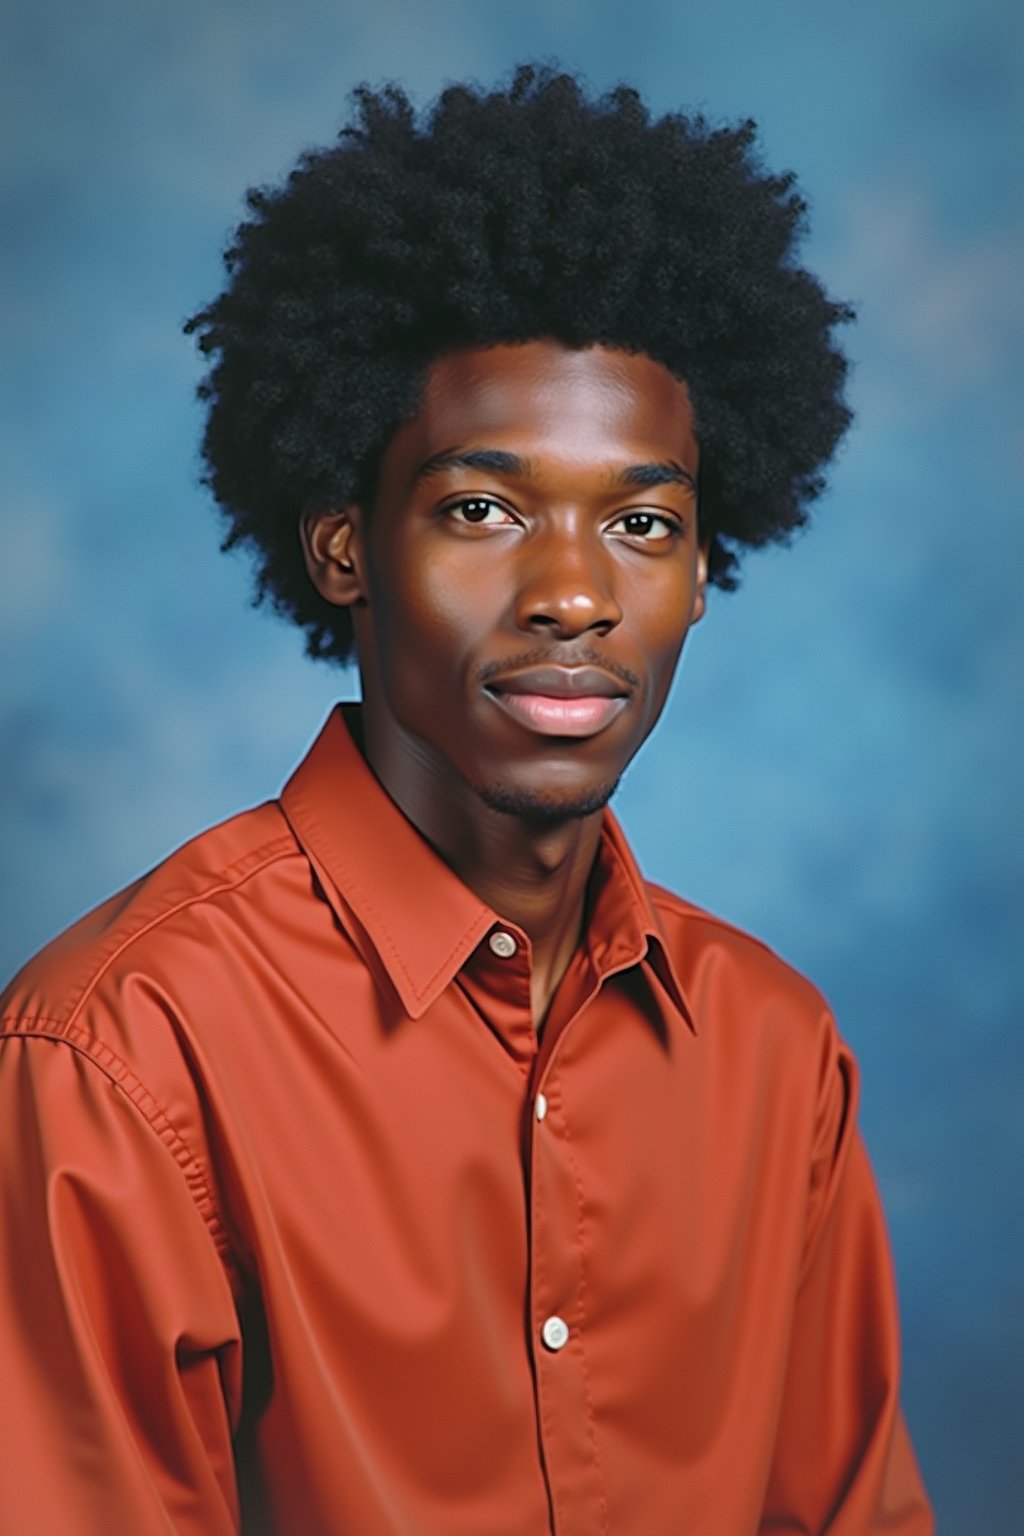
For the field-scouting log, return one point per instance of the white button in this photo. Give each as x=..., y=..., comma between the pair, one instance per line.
x=541, y=1106
x=555, y=1333
x=503, y=944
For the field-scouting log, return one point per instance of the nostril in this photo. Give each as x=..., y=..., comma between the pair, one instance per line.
x=553, y=602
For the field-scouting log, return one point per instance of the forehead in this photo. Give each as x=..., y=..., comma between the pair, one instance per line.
x=593, y=406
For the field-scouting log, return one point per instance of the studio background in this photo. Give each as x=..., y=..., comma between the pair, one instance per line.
x=839, y=766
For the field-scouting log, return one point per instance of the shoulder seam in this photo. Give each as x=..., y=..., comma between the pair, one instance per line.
x=680, y=908
x=121, y=1076
x=665, y=901
x=230, y=878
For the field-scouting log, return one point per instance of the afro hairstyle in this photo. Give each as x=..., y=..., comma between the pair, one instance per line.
x=503, y=216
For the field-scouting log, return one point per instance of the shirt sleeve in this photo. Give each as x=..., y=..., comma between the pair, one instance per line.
x=843, y=1463
x=118, y=1332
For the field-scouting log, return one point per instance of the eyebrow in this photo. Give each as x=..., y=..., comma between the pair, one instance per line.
x=492, y=461
x=496, y=461
x=668, y=472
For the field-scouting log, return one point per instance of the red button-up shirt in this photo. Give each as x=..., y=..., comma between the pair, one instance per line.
x=304, y=1232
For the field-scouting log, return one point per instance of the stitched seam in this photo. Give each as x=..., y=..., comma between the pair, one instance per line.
x=537, y=1289
x=633, y=879
x=388, y=946
x=664, y=902
x=120, y=1076
x=445, y=966
x=274, y=850
x=587, y=1397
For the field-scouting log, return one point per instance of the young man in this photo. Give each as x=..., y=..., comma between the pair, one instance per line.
x=393, y=1159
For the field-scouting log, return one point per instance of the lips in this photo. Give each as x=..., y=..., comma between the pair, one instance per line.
x=561, y=683
x=561, y=701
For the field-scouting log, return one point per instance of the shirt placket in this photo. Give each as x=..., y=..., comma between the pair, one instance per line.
x=559, y=1318
x=497, y=978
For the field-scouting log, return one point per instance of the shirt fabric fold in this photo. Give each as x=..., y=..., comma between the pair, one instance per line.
x=303, y=1232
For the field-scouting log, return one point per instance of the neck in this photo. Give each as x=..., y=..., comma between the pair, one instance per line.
x=531, y=872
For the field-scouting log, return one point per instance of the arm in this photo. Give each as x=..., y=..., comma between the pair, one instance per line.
x=843, y=1464
x=118, y=1334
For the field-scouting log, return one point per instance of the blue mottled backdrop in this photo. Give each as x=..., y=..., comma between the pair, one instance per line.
x=839, y=769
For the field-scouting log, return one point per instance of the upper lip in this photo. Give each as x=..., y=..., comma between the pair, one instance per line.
x=561, y=683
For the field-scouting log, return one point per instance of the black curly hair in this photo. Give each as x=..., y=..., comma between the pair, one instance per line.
x=505, y=216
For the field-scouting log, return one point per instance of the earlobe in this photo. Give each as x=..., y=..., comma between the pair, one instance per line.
x=330, y=541
x=700, y=591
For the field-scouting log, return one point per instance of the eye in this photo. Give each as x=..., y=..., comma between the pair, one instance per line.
x=479, y=512
x=648, y=527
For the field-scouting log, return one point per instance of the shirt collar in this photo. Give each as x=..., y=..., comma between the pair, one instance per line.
x=420, y=921
x=623, y=926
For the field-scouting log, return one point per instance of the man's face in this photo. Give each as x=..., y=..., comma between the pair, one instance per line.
x=528, y=574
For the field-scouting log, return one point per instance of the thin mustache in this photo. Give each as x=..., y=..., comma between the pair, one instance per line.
x=544, y=658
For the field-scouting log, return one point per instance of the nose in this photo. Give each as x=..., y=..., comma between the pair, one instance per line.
x=567, y=587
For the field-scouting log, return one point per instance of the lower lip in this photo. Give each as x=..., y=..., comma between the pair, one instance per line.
x=561, y=717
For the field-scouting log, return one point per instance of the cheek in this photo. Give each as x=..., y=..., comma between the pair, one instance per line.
x=431, y=613
x=661, y=633
x=664, y=615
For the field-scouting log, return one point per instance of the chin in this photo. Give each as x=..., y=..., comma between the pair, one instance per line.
x=546, y=807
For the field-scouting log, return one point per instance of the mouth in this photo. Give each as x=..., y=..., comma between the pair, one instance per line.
x=561, y=701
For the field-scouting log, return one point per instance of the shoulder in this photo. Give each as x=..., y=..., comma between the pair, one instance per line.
x=767, y=1028
x=733, y=976
x=131, y=932
x=94, y=1027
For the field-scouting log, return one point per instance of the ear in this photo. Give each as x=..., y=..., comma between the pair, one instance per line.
x=700, y=595
x=332, y=545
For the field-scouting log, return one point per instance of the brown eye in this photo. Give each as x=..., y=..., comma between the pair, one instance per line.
x=480, y=511
x=649, y=527
x=475, y=511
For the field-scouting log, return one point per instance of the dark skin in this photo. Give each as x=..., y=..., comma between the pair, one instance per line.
x=521, y=590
